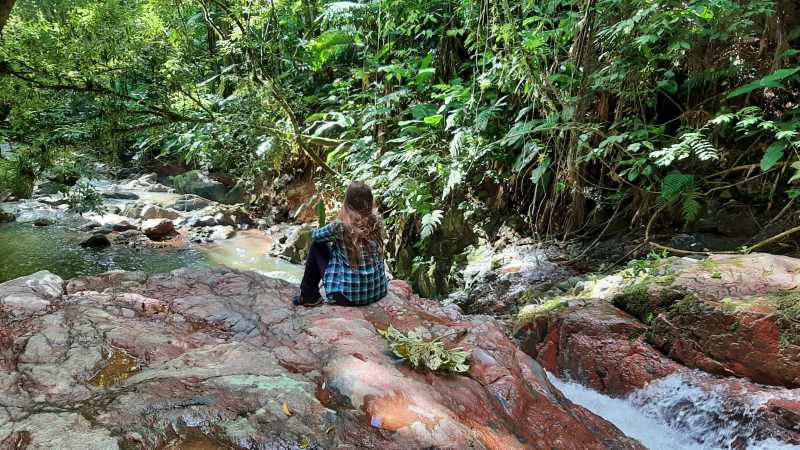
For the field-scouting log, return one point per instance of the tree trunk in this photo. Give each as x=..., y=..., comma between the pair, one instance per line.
x=5, y=11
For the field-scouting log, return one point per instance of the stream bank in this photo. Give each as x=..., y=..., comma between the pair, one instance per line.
x=615, y=365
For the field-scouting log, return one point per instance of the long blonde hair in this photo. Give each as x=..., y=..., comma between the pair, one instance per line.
x=362, y=228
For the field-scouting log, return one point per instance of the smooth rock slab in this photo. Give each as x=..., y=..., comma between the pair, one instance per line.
x=219, y=356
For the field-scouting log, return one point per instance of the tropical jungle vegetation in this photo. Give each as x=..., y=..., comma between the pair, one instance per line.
x=554, y=117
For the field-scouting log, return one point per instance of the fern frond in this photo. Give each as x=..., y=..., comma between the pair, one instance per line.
x=691, y=206
x=430, y=222
x=674, y=184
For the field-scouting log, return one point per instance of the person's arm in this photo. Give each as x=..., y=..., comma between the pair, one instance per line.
x=328, y=233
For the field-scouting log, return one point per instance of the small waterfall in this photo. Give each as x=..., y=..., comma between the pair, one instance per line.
x=691, y=410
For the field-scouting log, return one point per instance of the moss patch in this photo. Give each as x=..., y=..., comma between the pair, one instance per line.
x=531, y=312
x=635, y=299
x=788, y=306
x=687, y=306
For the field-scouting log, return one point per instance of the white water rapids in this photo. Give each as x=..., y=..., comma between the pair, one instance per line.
x=691, y=411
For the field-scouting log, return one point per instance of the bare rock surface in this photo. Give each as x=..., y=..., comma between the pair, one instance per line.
x=158, y=228
x=595, y=343
x=728, y=314
x=218, y=359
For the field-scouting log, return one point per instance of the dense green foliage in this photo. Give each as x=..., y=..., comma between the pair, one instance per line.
x=566, y=112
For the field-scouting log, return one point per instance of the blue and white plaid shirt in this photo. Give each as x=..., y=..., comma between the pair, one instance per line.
x=362, y=285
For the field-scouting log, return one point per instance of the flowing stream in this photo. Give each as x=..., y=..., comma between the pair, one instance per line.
x=26, y=248
x=691, y=410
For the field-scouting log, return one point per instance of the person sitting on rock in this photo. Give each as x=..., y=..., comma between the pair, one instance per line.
x=347, y=255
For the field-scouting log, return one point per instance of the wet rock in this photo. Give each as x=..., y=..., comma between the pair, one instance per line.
x=594, y=343
x=43, y=222
x=210, y=234
x=120, y=195
x=123, y=225
x=131, y=238
x=198, y=183
x=97, y=240
x=294, y=243
x=499, y=282
x=88, y=226
x=202, y=221
x=189, y=202
x=157, y=229
x=157, y=212
x=6, y=216
x=48, y=188
x=218, y=358
x=727, y=315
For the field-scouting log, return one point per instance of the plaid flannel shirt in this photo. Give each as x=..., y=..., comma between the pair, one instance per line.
x=362, y=285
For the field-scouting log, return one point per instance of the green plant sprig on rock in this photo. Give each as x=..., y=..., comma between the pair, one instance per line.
x=432, y=354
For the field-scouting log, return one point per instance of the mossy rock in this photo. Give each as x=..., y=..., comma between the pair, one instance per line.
x=197, y=183
x=551, y=307
x=647, y=297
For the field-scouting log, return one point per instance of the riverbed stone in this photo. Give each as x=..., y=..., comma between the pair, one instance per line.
x=43, y=222
x=156, y=212
x=220, y=356
x=198, y=183
x=293, y=243
x=189, y=202
x=120, y=195
x=6, y=216
x=96, y=240
x=157, y=229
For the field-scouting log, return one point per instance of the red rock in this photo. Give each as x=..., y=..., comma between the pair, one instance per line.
x=226, y=356
x=596, y=344
x=722, y=315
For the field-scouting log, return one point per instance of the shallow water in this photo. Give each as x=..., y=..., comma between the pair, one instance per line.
x=248, y=250
x=682, y=412
x=25, y=248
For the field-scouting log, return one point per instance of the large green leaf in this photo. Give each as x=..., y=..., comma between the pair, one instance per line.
x=769, y=81
x=773, y=154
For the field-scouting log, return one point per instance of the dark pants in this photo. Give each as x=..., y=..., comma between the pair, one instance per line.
x=316, y=263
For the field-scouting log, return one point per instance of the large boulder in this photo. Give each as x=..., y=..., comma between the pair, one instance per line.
x=189, y=202
x=500, y=281
x=157, y=212
x=218, y=358
x=200, y=184
x=157, y=229
x=727, y=315
x=591, y=341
